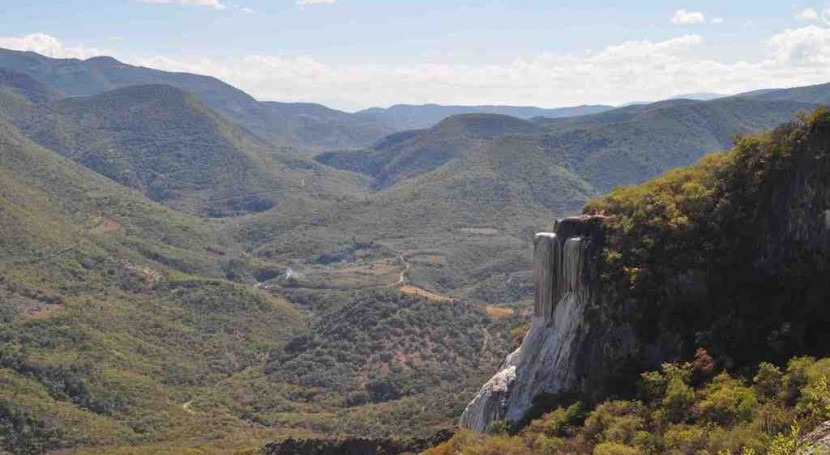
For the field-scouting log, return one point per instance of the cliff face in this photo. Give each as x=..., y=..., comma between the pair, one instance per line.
x=732, y=255
x=554, y=357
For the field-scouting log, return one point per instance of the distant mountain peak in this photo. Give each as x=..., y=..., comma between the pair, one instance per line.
x=698, y=96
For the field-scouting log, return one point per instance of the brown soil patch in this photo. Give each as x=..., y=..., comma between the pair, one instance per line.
x=34, y=309
x=498, y=312
x=429, y=260
x=106, y=226
x=413, y=290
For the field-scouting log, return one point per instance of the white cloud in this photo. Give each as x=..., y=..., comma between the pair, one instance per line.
x=316, y=2
x=683, y=17
x=244, y=9
x=633, y=70
x=716, y=20
x=808, y=14
x=216, y=4
x=49, y=46
x=806, y=47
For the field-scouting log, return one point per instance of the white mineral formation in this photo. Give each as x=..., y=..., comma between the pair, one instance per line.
x=543, y=363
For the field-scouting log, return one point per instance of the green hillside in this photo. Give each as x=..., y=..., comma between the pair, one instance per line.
x=171, y=279
x=122, y=335
x=467, y=225
x=819, y=94
x=729, y=258
x=113, y=311
x=632, y=144
x=409, y=117
x=509, y=177
x=308, y=127
x=168, y=145
x=617, y=147
x=405, y=155
x=304, y=126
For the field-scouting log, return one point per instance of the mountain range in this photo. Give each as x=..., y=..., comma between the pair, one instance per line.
x=306, y=126
x=176, y=255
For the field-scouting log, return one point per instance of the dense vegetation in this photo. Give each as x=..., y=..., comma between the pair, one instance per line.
x=166, y=144
x=381, y=346
x=118, y=328
x=728, y=253
x=685, y=408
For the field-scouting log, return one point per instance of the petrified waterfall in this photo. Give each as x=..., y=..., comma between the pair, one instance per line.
x=544, y=363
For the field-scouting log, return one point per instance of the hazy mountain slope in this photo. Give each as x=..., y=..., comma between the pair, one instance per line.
x=618, y=147
x=631, y=144
x=19, y=84
x=405, y=155
x=317, y=127
x=309, y=127
x=817, y=94
x=21, y=97
x=408, y=117
x=699, y=96
x=306, y=126
x=168, y=145
x=165, y=143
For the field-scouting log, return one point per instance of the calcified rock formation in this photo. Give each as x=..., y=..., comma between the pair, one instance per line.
x=546, y=364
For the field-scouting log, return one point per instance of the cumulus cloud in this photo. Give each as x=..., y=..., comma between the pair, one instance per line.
x=632, y=70
x=316, y=2
x=716, y=20
x=807, y=14
x=216, y=4
x=806, y=47
x=49, y=46
x=683, y=17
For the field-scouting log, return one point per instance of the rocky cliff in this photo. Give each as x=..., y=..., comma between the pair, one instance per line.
x=732, y=255
x=552, y=358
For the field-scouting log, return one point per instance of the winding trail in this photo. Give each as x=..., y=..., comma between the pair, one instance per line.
x=402, y=280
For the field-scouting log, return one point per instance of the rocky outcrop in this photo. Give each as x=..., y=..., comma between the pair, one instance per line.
x=817, y=442
x=550, y=360
x=733, y=259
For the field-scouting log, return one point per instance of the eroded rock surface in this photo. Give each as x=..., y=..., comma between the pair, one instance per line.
x=547, y=362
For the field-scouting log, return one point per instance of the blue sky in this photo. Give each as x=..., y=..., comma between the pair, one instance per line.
x=357, y=53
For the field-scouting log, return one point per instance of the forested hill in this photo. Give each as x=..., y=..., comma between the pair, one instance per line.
x=720, y=269
x=617, y=147
x=308, y=127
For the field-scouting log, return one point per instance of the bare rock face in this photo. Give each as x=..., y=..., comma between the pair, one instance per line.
x=817, y=442
x=548, y=361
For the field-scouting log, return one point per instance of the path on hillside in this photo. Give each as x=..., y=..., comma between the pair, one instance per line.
x=402, y=280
